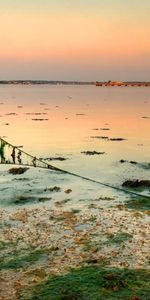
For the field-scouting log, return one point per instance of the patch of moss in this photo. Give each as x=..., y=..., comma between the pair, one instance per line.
x=20, y=261
x=141, y=203
x=4, y=245
x=90, y=244
x=118, y=238
x=94, y=283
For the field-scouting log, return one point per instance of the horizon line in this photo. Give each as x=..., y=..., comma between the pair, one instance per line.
x=73, y=81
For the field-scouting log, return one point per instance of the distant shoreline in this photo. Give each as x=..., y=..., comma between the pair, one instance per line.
x=58, y=82
x=46, y=82
x=123, y=83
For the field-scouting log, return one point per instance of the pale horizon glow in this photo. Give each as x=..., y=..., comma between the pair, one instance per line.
x=75, y=40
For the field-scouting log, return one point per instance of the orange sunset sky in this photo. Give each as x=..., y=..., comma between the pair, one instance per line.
x=75, y=40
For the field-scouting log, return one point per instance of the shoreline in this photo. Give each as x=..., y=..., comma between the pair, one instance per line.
x=63, y=82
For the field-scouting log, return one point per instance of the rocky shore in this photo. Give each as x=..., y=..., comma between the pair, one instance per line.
x=39, y=242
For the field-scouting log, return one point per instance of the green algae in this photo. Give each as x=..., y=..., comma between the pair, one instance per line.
x=2, y=152
x=118, y=238
x=16, y=260
x=5, y=245
x=99, y=241
x=141, y=203
x=93, y=283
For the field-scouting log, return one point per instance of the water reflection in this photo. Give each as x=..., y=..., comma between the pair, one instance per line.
x=59, y=120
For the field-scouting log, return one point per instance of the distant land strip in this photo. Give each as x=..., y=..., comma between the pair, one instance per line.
x=53, y=82
x=58, y=82
x=122, y=83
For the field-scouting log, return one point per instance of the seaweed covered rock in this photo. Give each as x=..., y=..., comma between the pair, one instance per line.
x=18, y=171
x=92, y=152
x=136, y=183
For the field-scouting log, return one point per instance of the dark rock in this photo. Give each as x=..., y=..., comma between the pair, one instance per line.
x=22, y=199
x=39, y=119
x=92, y=261
x=117, y=139
x=17, y=171
x=108, y=139
x=136, y=183
x=53, y=189
x=92, y=152
x=11, y=114
x=54, y=158
x=104, y=128
x=42, y=199
x=68, y=191
x=100, y=137
x=80, y=114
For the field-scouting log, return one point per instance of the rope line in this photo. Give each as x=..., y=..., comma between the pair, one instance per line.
x=36, y=162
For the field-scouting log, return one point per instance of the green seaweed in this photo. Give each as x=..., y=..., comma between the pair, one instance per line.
x=2, y=152
x=96, y=243
x=99, y=241
x=141, y=203
x=4, y=245
x=118, y=238
x=20, y=261
x=23, y=199
x=93, y=283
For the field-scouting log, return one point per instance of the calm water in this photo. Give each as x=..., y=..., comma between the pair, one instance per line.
x=72, y=113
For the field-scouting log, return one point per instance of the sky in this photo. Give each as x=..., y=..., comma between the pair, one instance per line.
x=84, y=40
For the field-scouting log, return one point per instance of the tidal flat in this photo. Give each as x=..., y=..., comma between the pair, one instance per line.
x=62, y=237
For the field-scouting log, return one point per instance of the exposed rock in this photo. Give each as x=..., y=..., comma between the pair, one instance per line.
x=80, y=114
x=60, y=158
x=92, y=152
x=11, y=114
x=122, y=161
x=22, y=199
x=18, y=171
x=106, y=198
x=43, y=199
x=37, y=119
x=133, y=162
x=92, y=261
x=68, y=191
x=104, y=128
x=100, y=137
x=117, y=139
x=136, y=183
x=108, y=139
x=53, y=189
